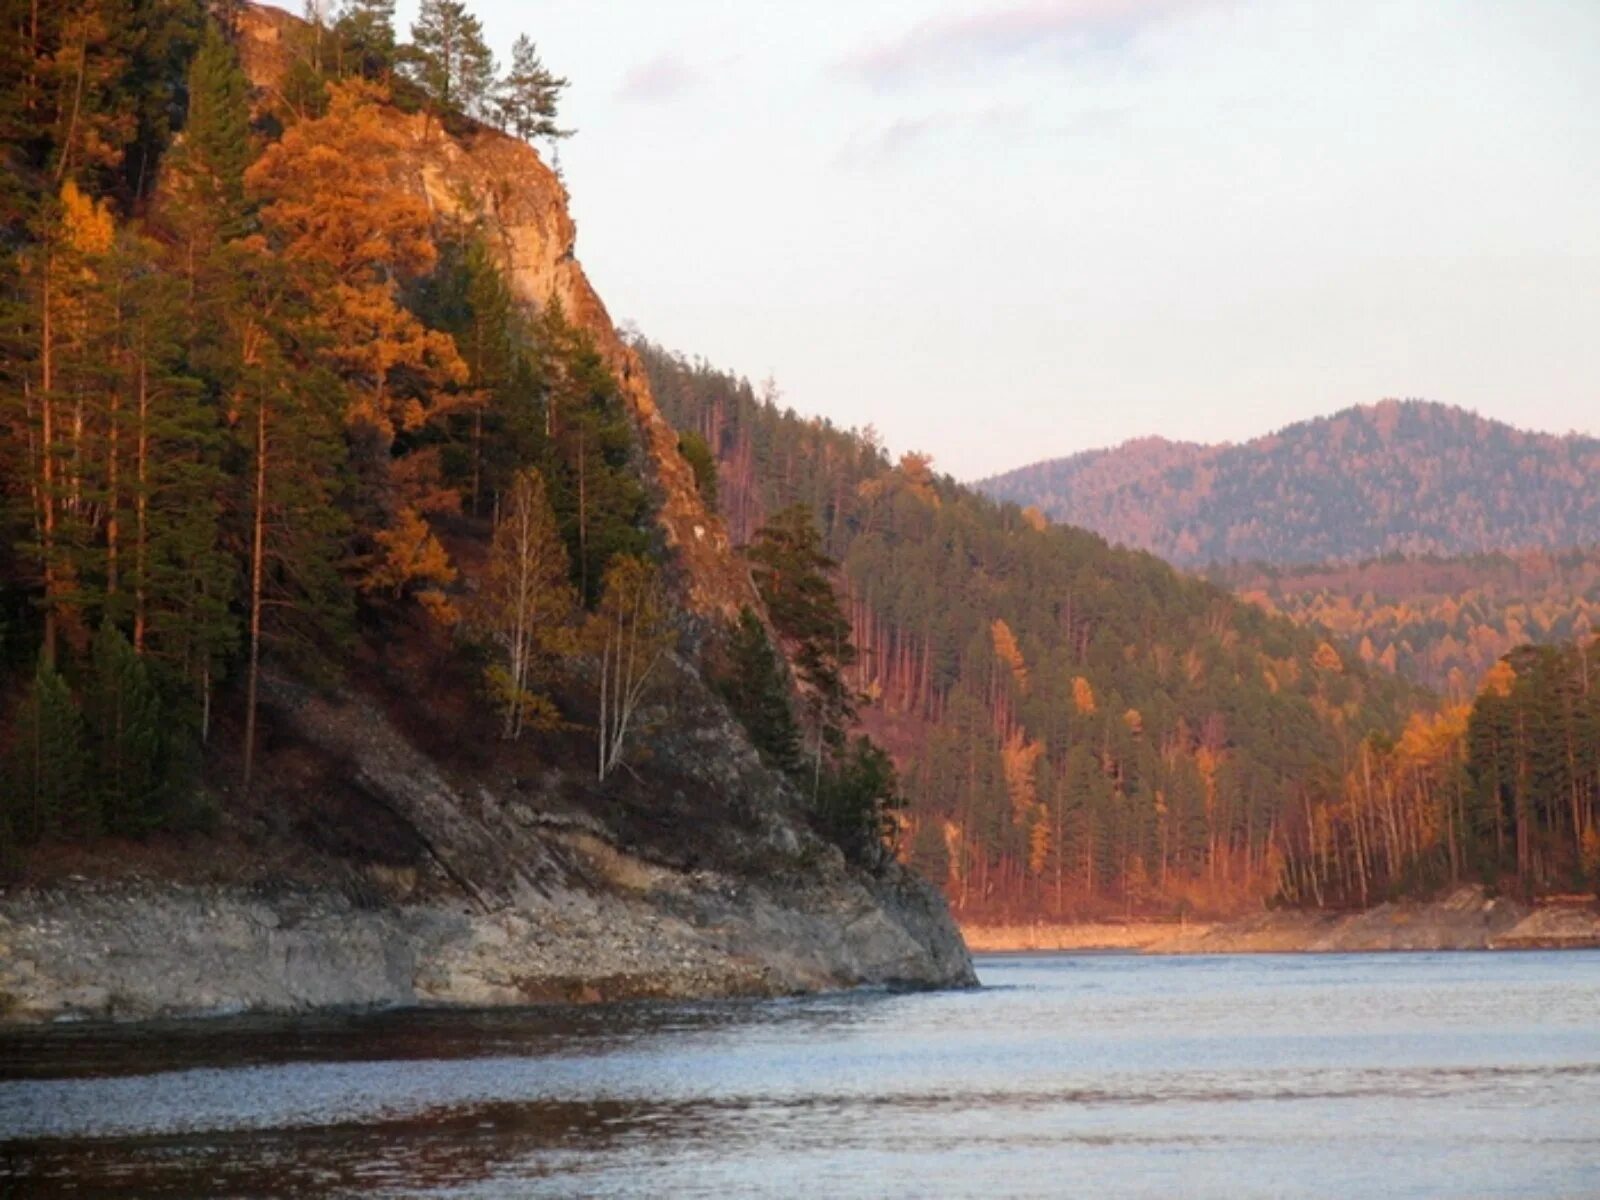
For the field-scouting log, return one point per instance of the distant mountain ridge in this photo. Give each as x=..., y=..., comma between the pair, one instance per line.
x=1400, y=477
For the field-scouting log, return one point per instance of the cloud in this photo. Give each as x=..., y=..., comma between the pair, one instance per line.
x=664, y=77
x=999, y=33
x=905, y=135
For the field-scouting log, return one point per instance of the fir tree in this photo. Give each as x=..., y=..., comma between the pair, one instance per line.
x=209, y=166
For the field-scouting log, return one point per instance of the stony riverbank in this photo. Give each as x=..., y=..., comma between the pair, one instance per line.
x=704, y=881
x=132, y=951
x=1466, y=919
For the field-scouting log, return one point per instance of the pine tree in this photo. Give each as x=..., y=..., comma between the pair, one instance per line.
x=365, y=31
x=703, y=463
x=791, y=572
x=857, y=802
x=449, y=59
x=209, y=165
x=527, y=99
x=585, y=450
x=289, y=461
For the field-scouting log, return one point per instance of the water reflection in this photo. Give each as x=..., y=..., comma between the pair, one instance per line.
x=1398, y=1076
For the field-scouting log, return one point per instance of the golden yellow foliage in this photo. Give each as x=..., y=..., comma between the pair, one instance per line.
x=410, y=555
x=1500, y=679
x=339, y=197
x=86, y=223
x=1019, y=759
x=1327, y=659
x=1083, y=695
x=1040, y=840
x=1008, y=652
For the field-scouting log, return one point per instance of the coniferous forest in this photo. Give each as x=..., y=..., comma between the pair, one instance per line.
x=1084, y=730
x=264, y=410
x=1399, y=477
x=266, y=413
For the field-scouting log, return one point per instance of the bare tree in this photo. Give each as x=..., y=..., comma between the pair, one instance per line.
x=631, y=633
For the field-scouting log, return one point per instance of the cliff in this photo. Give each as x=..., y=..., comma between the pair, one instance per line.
x=388, y=857
x=505, y=892
x=480, y=176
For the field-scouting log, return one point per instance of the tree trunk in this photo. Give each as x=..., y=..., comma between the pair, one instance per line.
x=257, y=552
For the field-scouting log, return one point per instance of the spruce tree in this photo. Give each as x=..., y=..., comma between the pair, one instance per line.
x=44, y=780
x=209, y=166
x=756, y=687
x=127, y=737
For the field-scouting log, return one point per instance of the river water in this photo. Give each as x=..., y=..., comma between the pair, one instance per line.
x=1098, y=1075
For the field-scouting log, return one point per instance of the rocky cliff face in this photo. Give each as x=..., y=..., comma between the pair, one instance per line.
x=699, y=876
x=516, y=891
x=500, y=183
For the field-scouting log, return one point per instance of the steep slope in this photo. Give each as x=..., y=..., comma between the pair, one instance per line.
x=393, y=848
x=501, y=186
x=1082, y=727
x=1400, y=477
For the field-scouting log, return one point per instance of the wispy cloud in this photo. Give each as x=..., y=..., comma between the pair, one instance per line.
x=664, y=77
x=905, y=135
x=995, y=34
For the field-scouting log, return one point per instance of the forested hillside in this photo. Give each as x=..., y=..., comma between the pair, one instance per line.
x=1082, y=728
x=1400, y=477
x=1444, y=622
x=302, y=386
x=1505, y=790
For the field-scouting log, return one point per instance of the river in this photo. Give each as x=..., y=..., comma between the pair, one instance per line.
x=1095, y=1075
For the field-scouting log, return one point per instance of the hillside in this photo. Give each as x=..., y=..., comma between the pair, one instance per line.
x=1443, y=622
x=1400, y=477
x=1086, y=731
x=1082, y=728
x=356, y=604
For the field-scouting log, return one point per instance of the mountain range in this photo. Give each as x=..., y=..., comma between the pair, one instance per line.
x=1405, y=477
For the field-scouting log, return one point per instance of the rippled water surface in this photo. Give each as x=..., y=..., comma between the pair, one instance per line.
x=1350, y=1075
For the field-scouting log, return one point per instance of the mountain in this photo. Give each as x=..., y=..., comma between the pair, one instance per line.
x=329, y=499
x=1401, y=477
x=1082, y=728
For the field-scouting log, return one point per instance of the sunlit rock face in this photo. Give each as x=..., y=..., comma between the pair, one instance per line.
x=482, y=176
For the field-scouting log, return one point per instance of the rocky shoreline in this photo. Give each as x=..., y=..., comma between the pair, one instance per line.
x=1466, y=919
x=140, y=951
x=517, y=892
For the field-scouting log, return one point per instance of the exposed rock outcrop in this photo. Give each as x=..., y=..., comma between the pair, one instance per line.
x=518, y=895
x=482, y=177
x=700, y=877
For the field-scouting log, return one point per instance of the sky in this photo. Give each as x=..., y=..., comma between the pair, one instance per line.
x=1006, y=230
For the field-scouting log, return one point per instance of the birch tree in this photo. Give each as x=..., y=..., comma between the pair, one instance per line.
x=525, y=603
x=631, y=633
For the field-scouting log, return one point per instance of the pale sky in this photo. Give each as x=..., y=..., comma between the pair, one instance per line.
x=1004, y=230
